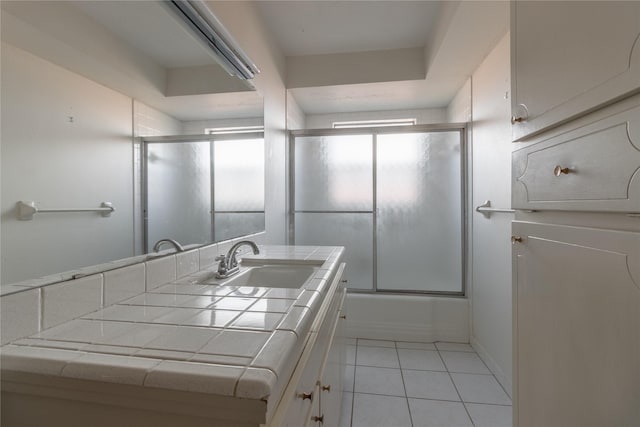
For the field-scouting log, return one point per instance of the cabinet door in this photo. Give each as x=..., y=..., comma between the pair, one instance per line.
x=576, y=326
x=333, y=373
x=569, y=57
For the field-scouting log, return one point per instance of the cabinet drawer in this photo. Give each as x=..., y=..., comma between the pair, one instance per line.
x=593, y=167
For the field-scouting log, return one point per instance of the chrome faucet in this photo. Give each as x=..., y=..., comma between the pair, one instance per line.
x=176, y=245
x=229, y=264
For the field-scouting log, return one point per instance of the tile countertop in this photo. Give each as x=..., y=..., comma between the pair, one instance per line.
x=188, y=336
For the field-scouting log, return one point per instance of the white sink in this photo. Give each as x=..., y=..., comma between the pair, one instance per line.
x=274, y=276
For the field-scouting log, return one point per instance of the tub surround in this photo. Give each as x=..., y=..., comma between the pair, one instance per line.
x=181, y=336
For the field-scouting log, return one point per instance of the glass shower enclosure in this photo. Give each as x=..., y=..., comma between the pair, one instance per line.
x=202, y=188
x=394, y=197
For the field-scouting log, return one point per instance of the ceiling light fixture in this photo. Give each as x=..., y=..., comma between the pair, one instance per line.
x=207, y=28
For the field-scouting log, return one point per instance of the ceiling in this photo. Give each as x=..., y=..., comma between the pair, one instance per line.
x=150, y=29
x=324, y=27
x=455, y=35
x=451, y=36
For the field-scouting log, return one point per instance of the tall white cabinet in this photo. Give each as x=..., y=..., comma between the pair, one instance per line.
x=576, y=189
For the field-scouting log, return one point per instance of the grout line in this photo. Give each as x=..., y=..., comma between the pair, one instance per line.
x=430, y=399
x=353, y=384
x=456, y=388
x=404, y=386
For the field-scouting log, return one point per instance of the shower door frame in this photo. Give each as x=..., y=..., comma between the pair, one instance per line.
x=461, y=128
x=209, y=138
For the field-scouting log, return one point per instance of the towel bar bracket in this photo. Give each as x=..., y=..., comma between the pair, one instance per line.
x=486, y=209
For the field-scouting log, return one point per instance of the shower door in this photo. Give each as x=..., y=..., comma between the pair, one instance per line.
x=394, y=198
x=202, y=188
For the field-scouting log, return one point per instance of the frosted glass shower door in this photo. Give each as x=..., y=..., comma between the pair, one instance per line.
x=419, y=212
x=178, y=192
x=238, y=167
x=333, y=199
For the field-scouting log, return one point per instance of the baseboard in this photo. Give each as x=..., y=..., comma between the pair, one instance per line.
x=502, y=378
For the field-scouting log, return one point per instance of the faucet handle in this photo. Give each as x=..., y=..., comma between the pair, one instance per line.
x=223, y=261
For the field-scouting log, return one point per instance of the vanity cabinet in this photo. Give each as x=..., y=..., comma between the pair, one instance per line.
x=576, y=301
x=569, y=57
x=314, y=394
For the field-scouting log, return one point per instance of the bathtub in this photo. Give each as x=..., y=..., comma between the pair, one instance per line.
x=407, y=317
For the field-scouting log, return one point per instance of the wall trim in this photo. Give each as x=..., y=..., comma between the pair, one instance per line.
x=505, y=381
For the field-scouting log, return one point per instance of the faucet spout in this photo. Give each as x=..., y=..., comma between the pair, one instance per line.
x=229, y=264
x=178, y=247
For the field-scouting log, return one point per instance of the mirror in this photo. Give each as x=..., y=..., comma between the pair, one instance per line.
x=203, y=188
x=83, y=82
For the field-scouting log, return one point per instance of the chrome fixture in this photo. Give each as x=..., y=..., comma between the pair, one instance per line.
x=176, y=245
x=486, y=209
x=26, y=210
x=229, y=264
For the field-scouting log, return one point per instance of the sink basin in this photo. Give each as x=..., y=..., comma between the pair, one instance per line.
x=274, y=276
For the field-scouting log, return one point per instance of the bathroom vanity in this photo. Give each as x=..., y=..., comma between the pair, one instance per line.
x=260, y=348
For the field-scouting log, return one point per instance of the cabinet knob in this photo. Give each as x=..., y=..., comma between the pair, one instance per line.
x=319, y=419
x=326, y=388
x=517, y=119
x=306, y=396
x=559, y=170
x=516, y=239
x=344, y=316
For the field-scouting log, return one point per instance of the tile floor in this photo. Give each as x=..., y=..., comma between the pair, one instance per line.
x=398, y=384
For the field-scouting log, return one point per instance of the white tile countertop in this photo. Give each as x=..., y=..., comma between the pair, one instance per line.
x=186, y=335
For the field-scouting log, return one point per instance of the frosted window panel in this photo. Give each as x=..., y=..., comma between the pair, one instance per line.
x=334, y=173
x=232, y=225
x=239, y=175
x=419, y=223
x=354, y=231
x=179, y=192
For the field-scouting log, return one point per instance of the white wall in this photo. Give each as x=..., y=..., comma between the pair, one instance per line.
x=66, y=143
x=490, y=267
x=423, y=116
x=243, y=21
x=296, y=118
x=459, y=109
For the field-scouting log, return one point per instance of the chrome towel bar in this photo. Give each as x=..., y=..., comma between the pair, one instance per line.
x=486, y=209
x=27, y=209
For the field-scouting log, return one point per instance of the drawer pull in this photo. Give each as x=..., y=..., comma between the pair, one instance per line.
x=344, y=316
x=319, y=419
x=516, y=239
x=559, y=170
x=306, y=396
x=326, y=388
x=515, y=119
